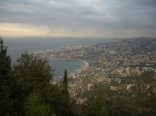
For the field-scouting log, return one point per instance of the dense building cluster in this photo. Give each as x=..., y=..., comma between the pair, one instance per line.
x=118, y=59
x=107, y=63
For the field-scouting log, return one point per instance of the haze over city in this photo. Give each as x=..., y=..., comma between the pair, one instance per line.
x=78, y=18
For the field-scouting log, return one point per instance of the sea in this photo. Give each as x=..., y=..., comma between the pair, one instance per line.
x=15, y=46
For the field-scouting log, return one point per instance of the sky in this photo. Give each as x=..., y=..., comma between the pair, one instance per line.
x=78, y=18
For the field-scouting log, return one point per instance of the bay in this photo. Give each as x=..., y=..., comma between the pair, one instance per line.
x=29, y=44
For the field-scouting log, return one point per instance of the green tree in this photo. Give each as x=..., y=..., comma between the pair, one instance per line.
x=65, y=82
x=29, y=73
x=5, y=79
x=144, y=93
x=59, y=101
x=97, y=105
x=65, y=107
x=36, y=106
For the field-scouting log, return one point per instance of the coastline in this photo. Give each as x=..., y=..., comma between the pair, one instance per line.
x=70, y=74
x=86, y=63
x=73, y=75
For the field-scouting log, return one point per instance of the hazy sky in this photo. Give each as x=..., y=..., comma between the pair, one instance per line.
x=78, y=18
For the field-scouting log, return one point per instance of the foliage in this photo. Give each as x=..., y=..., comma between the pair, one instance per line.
x=65, y=82
x=29, y=73
x=58, y=101
x=32, y=73
x=5, y=79
x=144, y=94
x=97, y=104
x=35, y=105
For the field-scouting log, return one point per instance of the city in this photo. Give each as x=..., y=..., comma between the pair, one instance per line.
x=118, y=59
x=109, y=63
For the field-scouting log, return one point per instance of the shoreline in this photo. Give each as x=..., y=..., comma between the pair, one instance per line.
x=71, y=73
x=86, y=63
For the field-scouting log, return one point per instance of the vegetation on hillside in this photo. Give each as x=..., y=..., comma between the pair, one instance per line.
x=25, y=90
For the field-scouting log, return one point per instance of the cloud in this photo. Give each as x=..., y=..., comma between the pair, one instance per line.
x=81, y=17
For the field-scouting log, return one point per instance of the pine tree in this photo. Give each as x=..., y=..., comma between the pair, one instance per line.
x=65, y=82
x=5, y=63
x=5, y=76
x=65, y=79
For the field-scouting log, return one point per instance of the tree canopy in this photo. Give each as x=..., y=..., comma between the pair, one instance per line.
x=5, y=79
